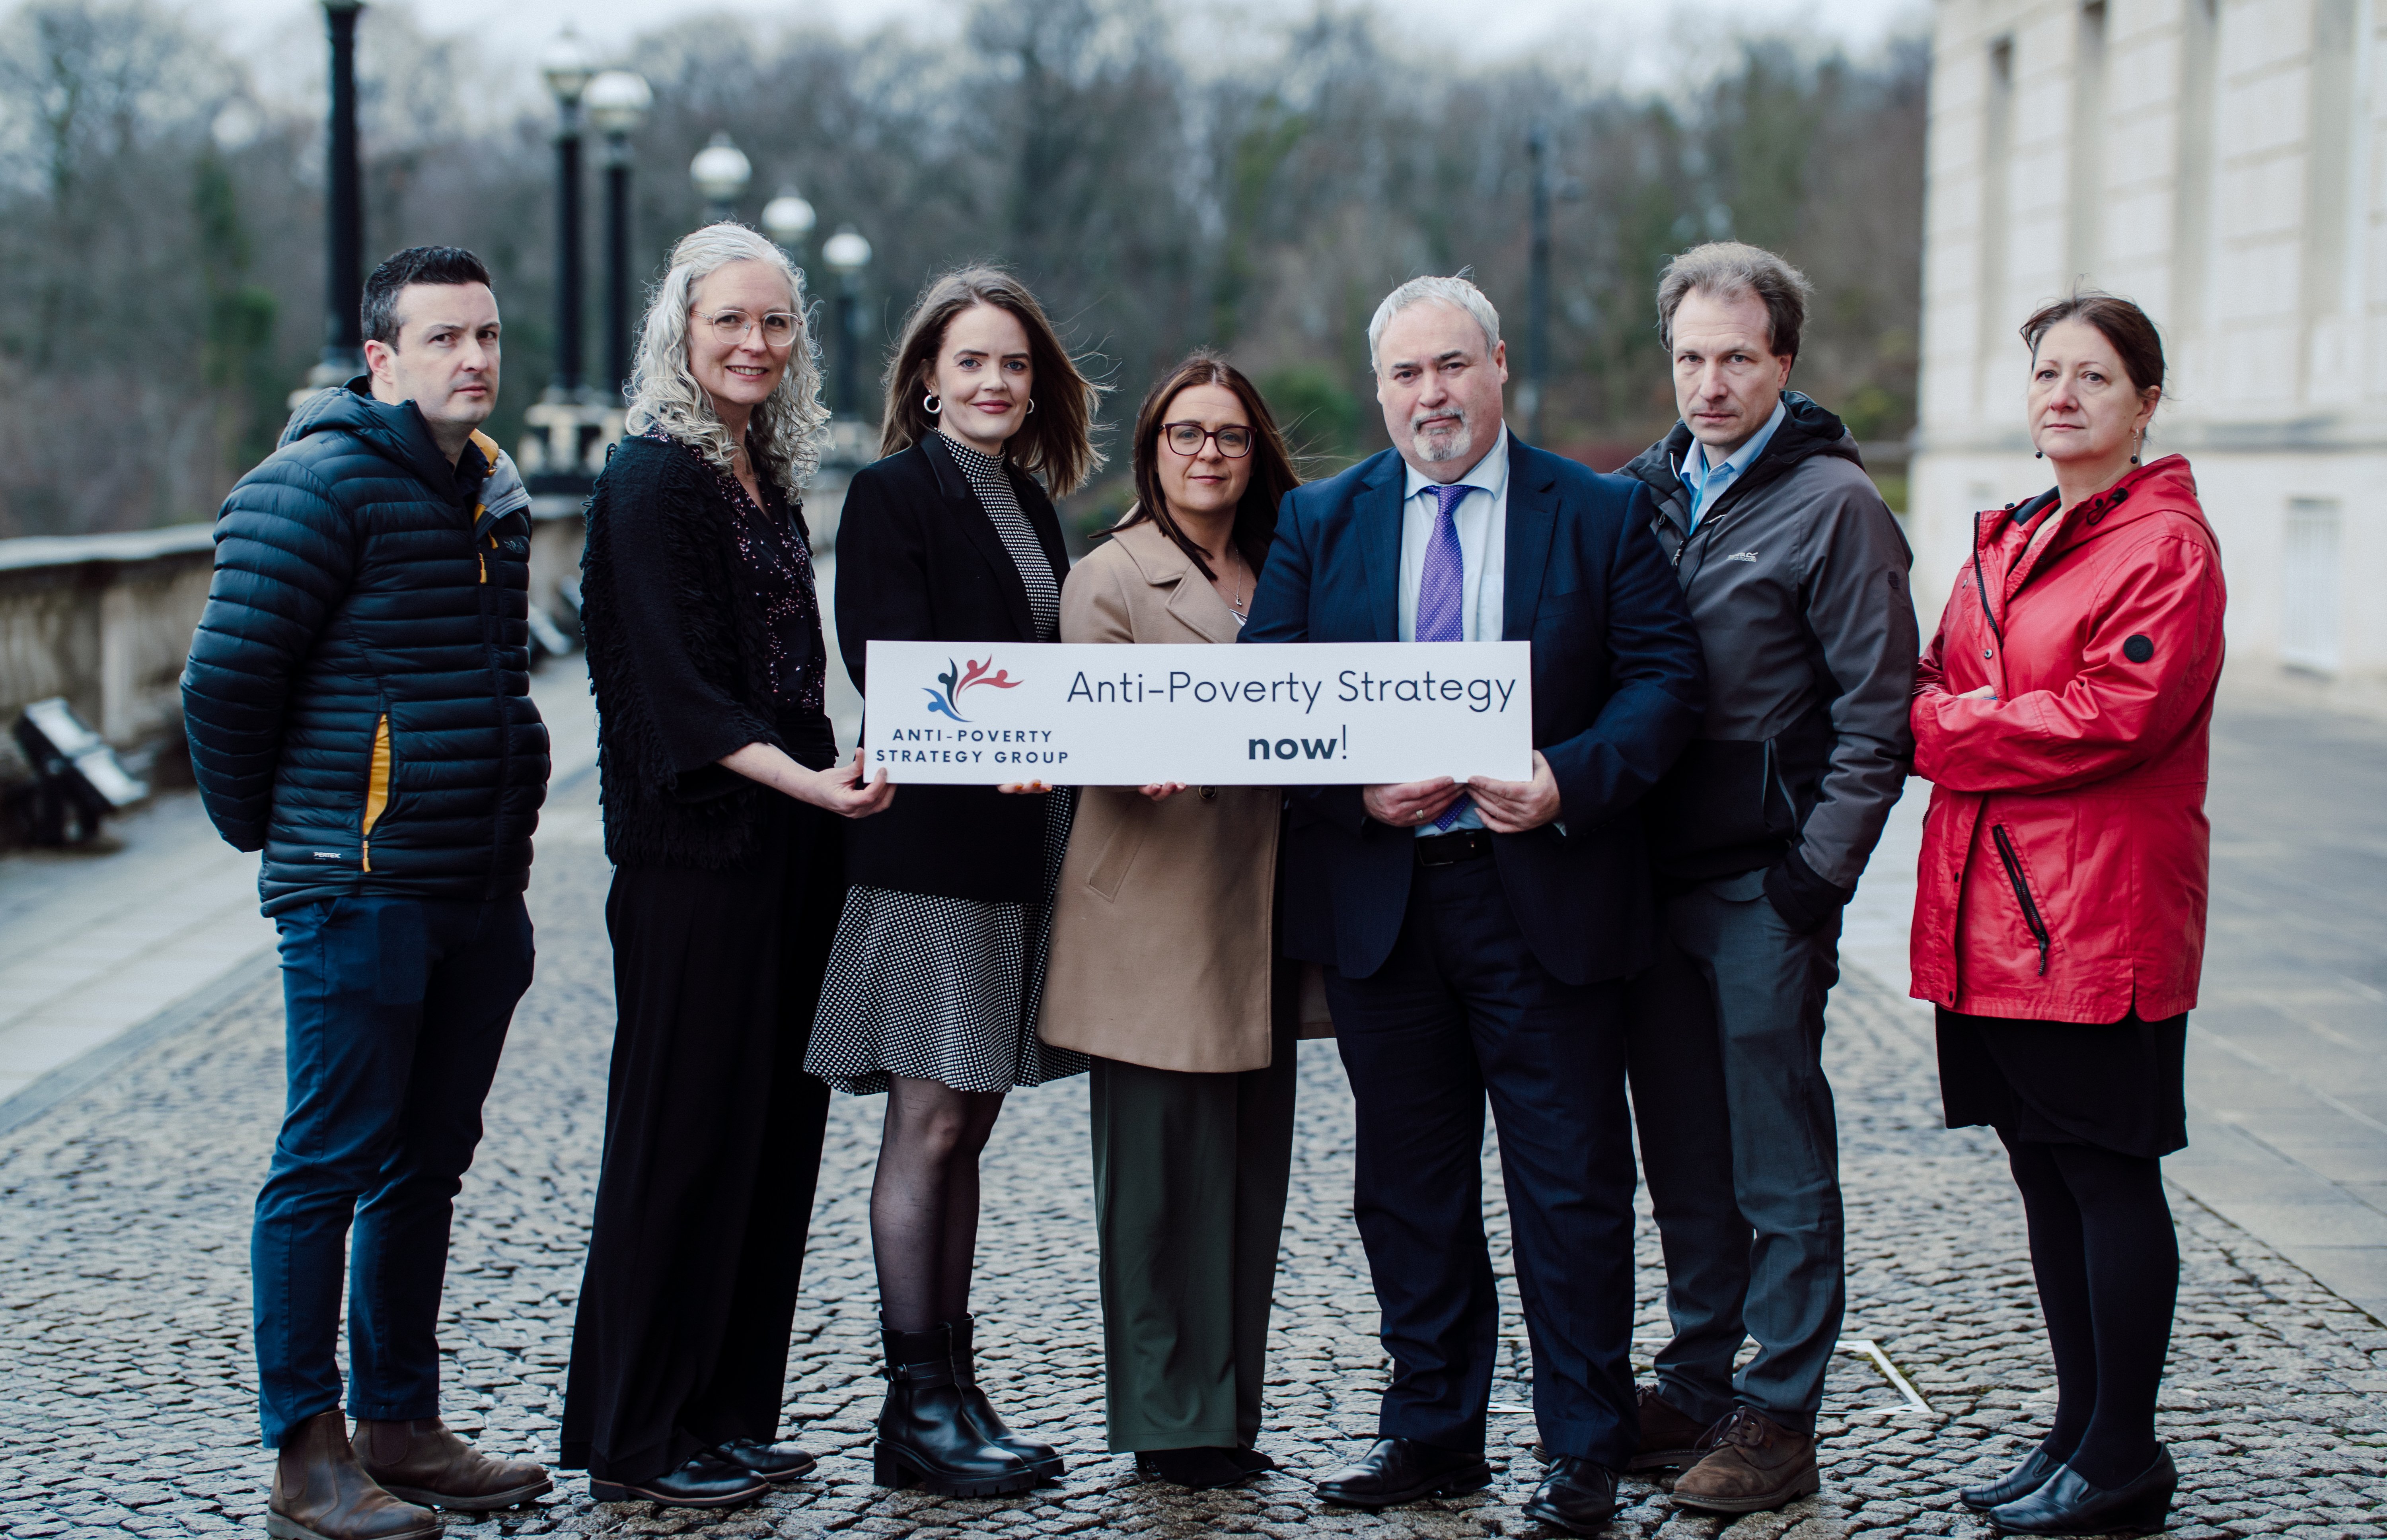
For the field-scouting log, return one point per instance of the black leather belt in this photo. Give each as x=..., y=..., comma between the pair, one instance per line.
x=1449, y=850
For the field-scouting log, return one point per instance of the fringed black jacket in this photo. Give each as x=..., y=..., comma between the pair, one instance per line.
x=679, y=660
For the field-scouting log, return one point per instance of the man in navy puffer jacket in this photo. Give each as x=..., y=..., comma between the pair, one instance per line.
x=358, y=706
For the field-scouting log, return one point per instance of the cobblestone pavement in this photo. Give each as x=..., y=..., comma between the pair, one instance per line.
x=127, y=1391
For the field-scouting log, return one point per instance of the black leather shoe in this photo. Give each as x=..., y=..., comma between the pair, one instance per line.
x=2021, y=1482
x=1576, y=1496
x=1041, y=1458
x=706, y=1481
x=2068, y=1505
x=773, y=1462
x=1252, y=1461
x=1198, y=1469
x=1402, y=1471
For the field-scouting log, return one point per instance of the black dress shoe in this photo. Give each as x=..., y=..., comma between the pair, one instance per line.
x=2021, y=1482
x=773, y=1462
x=1197, y=1469
x=1402, y=1471
x=2068, y=1505
x=1252, y=1461
x=706, y=1481
x=1576, y=1496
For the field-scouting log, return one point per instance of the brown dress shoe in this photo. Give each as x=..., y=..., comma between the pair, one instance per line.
x=321, y=1492
x=423, y=1462
x=1753, y=1463
x=1668, y=1438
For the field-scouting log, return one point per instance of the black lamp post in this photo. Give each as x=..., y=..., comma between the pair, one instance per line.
x=847, y=254
x=720, y=173
x=1537, y=304
x=567, y=71
x=788, y=219
x=617, y=101
x=344, y=234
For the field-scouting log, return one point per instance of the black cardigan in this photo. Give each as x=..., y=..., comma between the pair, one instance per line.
x=918, y=560
x=679, y=660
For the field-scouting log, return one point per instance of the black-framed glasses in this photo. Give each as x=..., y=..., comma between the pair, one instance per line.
x=1186, y=438
x=730, y=326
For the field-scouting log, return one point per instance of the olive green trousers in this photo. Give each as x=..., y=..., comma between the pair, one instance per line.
x=1190, y=1176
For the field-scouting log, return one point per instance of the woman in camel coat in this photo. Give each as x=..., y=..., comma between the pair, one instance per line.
x=1164, y=968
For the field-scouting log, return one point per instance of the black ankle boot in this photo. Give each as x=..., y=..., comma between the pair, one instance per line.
x=925, y=1432
x=1043, y=1459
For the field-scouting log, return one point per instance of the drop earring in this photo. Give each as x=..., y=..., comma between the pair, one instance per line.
x=2137, y=443
x=2039, y=454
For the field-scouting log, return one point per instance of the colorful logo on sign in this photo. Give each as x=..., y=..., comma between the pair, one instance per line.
x=947, y=702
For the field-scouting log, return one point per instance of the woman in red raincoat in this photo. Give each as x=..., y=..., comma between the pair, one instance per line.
x=2061, y=715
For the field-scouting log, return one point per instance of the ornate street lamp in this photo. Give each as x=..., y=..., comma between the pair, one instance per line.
x=616, y=104
x=344, y=220
x=721, y=172
x=789, y=220
x=567, y=69
x=847, y=253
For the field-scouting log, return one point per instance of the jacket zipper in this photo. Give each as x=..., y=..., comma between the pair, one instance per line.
x=2030, y=915
x=376, y=788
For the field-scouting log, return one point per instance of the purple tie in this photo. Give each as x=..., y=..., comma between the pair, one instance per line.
x=1442, y=593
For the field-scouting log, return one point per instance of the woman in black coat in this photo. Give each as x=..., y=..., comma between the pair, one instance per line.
x=939, y=964
x=720, y=788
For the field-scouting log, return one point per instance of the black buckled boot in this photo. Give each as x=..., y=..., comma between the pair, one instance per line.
x=926, y=1435
x=1043, y=1459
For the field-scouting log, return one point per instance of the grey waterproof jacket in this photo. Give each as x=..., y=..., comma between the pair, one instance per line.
x=1797, y=580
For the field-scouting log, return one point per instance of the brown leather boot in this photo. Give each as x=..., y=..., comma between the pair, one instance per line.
x=1753, y=1463
x=321, y=1493
x=423, y=1462
x=1669, y=1436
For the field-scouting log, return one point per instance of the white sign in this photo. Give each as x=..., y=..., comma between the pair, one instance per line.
x=1323, y=713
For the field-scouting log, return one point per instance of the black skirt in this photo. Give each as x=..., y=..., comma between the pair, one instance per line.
x=2116, y=1086
x=713, y=1144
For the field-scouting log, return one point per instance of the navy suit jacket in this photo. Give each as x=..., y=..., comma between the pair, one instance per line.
x=1619, y=687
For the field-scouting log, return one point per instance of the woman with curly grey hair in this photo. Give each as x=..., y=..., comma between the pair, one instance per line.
x=721, y=789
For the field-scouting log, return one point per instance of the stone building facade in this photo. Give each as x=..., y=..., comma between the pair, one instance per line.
x=2222, y=163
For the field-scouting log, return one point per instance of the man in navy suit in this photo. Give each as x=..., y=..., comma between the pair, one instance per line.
x=1476, y=938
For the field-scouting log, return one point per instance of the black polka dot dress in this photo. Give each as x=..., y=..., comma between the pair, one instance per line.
x=947, y=988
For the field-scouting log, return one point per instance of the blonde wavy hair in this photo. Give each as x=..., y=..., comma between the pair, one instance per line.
x=789, y=428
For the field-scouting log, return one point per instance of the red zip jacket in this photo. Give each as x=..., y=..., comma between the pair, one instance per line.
x=2065, y=855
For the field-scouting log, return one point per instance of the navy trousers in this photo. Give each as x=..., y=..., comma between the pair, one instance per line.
x=1741, y=1149
x=1460, y=1010
x=396, y=1009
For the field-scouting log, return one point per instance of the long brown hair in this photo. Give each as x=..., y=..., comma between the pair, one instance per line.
x=1272, y=472
x=1056, y=441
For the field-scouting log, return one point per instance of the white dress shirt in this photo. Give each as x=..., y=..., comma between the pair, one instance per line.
x=1482, y=522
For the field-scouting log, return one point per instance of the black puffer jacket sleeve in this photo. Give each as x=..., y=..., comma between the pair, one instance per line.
x=286, y=556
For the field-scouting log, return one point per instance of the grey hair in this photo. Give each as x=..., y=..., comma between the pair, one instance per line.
x=789, y=426
x=1454, y=290
x=1727, y=270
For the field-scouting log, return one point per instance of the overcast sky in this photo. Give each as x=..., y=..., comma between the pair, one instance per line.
x=1632, y=38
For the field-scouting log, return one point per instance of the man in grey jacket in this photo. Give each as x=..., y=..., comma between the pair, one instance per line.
x=1796, y=578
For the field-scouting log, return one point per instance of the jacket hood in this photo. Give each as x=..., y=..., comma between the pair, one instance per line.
x=1807, y=429
x=397, y=433
x=2167, y=485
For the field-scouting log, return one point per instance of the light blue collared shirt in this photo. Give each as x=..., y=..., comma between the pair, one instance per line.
x=1480, y=521
x=1706, y=482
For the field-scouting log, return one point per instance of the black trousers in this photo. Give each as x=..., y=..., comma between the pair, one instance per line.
x=713, y=1145
x=1462, y=1010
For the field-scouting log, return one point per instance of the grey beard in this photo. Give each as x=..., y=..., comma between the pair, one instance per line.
x=1435, y=447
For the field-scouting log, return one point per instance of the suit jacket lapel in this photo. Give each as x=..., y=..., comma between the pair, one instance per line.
x=1378, y=509
x=1533, y=520
x=979, y=530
